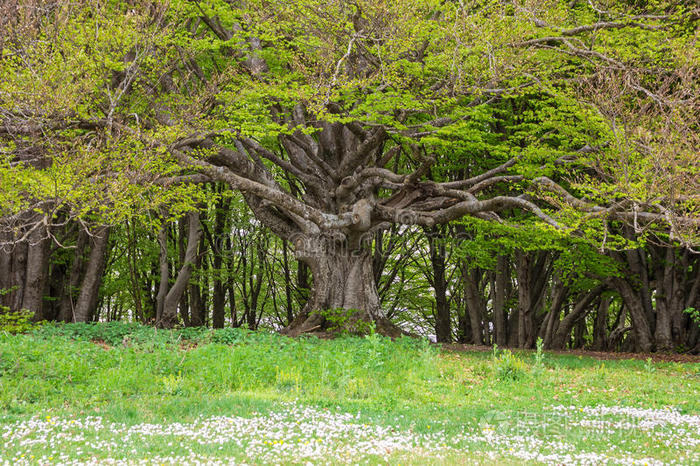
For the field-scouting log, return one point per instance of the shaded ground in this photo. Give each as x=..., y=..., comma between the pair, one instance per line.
x=600, y=355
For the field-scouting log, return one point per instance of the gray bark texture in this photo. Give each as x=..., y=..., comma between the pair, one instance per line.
x=168, y=313
x=90, y=287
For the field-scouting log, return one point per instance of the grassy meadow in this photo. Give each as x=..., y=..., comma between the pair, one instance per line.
x=125, y=394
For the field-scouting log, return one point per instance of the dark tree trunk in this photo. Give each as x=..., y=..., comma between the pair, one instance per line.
x=500, y=296
x=57, y=278
x=303, y=286
x=464, y=331
x=219, y=291
x=197, y=301
x=577, y=314
x=77, y=271
x=476, y=306
x=638, y=265
x=342, y=280
x=600, y=326
x=560, y=293
x=579, y=334
x=640, y=325
x=443, y=324
x=90, y=287
x=287, y=283
x=532, y=277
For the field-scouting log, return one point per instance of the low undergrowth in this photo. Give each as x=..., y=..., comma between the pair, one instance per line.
x=423, y=402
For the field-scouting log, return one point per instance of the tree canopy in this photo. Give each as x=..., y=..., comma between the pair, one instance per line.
x=337, y=119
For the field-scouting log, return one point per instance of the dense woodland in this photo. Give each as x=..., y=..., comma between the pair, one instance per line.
x=484, y=172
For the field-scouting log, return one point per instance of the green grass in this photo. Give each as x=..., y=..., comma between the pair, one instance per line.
x=453, y=407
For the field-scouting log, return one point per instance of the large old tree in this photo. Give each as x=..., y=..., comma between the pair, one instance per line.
x=337, y=119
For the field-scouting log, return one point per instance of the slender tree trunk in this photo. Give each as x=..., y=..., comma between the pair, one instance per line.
x=71, y=289
x=219, y=292
x=90, y=287
x=579, y=334
x=287, y=283
x=619, y=331
x=500, y=295
x=164, y=269
x=168, y=317
x=183, y=305
x=600, y=327
x=443, y=324
x=576, y=315
x=560, y=293
x=231, y=288
x=303, y=287
x=464, y=331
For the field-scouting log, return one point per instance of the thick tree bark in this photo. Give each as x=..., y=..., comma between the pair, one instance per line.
x=525, y=306
x=17, y=276
x=475, y=304
x=342, y=282
x=638, y=265
x=5, y=267
x=665, y=277
x=5, y=272
x=532, y=276
x=35, y=276
x=633, y=303
x=90, y=287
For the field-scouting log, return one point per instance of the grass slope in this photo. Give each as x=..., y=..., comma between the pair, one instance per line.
x=146, y=396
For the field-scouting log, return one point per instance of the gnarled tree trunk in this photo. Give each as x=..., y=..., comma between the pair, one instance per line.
x=344, y=293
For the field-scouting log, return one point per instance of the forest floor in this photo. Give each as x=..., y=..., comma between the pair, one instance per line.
x=599, y=355
x=219, y=397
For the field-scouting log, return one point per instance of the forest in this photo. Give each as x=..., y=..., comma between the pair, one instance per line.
x=482, y=172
